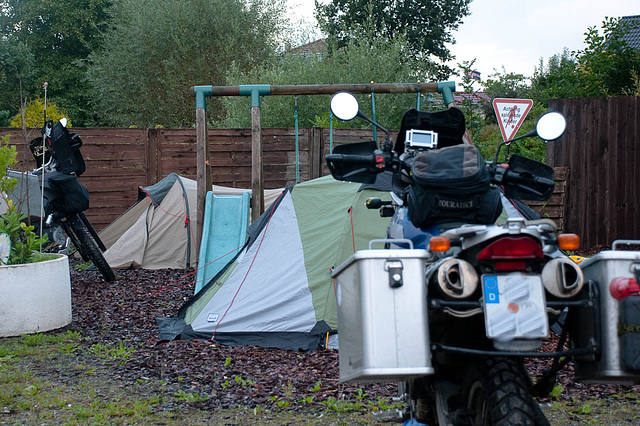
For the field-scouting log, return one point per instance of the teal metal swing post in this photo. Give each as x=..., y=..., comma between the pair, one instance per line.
x=255, y=91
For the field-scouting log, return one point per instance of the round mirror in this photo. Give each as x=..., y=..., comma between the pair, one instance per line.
x=551, y=126
x=344, y=106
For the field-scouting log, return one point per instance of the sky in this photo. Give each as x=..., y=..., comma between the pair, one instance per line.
x=515, y=34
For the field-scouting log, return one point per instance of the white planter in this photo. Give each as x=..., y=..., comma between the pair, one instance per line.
x=35, y=297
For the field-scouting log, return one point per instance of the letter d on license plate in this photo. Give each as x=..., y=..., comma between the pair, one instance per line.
x=514, y=306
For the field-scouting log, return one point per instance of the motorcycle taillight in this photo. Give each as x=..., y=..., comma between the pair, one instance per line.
x=512, y=248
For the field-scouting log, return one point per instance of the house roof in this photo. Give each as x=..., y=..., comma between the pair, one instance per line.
x=633, y=37
x=318, y=47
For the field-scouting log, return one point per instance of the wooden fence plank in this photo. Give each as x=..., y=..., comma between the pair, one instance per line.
x=600, y=147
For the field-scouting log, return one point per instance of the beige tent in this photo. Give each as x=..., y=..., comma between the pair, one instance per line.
x=154, y=233
x=158, y=231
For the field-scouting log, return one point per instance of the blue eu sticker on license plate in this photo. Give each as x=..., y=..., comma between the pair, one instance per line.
x=491, y=293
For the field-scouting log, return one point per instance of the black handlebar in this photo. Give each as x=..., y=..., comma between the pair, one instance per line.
x=351, y=158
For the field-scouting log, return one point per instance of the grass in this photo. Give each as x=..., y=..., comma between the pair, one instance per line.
x=61, y=378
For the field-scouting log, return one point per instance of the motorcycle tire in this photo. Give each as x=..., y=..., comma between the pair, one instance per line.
x=89, y=249
x=497, y=393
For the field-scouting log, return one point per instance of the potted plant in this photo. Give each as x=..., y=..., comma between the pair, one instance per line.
x=35, y=288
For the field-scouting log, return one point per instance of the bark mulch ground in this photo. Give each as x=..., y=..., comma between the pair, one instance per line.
x=123, y=312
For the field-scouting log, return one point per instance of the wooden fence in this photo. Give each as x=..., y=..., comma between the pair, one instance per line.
x=120, y=160
x=601, y=147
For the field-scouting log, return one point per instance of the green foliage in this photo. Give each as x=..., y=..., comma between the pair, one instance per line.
x=243, y=382
x=8, y=159
x=471, y=105
x=342, y=405
x=427, y=25
x=34, y=114
x=317, y=386
x=61, y=37
x=24, y=242
x=556, y=391
x=504, y=85
x=607, y=66
x=119, y=353
x=190, y=397
x=307, y=400
x=359, y=62
x=606, y=63
x=557, y=79
x=489, y=137
x=17, y=69
x=153, y=52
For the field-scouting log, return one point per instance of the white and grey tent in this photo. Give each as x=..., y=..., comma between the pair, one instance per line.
x=278, y=291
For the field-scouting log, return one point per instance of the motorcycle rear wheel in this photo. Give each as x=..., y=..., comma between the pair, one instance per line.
x=497, y=392
x=89, y=249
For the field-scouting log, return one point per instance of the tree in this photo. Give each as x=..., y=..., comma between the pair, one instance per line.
x=607, y=66
x=153, y=52
x=17, y=68
x=361, y=61
x=427, y=25
x=60, y=35
x=34, y=114
x=556, y=79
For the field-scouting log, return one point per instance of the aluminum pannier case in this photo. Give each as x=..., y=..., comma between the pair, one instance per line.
x=619, y=360
x=383, y=328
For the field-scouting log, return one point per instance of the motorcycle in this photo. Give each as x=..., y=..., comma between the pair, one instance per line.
x=469, y=282
x=59, y=163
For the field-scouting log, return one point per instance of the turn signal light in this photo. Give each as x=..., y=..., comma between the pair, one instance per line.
x=623, y=287
x=439, y=244
x=568, y=241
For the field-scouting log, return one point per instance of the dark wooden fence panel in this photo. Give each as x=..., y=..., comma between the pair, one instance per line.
x=121, y=160
x=600, y=147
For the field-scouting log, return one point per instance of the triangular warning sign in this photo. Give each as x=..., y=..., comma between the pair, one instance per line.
x=510, y=114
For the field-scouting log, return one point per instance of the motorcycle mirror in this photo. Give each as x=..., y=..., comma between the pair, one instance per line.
x=344, y=106
x=551, y=126
x=63, y=121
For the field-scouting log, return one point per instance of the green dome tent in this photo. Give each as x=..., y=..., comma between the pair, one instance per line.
x=278, y=292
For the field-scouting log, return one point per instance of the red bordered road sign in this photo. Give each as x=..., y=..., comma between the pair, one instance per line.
x=510, y=114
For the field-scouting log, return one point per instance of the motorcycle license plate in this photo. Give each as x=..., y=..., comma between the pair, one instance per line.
x=514, y=306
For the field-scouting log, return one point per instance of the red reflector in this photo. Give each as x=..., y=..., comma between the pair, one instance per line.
x=623, y=287
x=512, y=248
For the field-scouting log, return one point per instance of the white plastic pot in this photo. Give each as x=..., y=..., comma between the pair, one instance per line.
x=35, y=297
